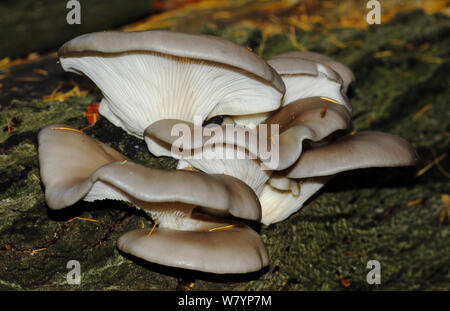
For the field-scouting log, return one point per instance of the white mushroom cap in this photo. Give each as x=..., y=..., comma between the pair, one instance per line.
x=306, y=77
x=307, y=119
x=152, y=75
x=234, y=248
x=345, y=73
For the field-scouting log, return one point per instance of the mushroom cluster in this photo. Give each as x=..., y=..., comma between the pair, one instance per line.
x=152, y=81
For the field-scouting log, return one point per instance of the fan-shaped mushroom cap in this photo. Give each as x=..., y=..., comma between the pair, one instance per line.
x=228, y=248
x=75, y=167
x=305, y=77
x=361, y=150
x=311, y=118
x=67, y=158
x=152, y=75
x=319, y=164
x=201, y=155
x=307, y=119
x=345, y=73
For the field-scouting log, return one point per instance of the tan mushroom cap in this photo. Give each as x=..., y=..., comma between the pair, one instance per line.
x=75, y=167
x=152, y=75
x=307, y=119
x=311, y=118
x=162, y=131
x=361, y=150
x=231, y=248
x=67, y=158
x=291, y=64
x=306, y=77
x=194, y=46
x=342, y=70
x=203, y=156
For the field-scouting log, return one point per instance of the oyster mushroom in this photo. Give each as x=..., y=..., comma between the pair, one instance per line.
x=152, y=75
x=310, y=119
x=361, y=150
x=318, y=165
x=342, y=70
x=307, y=119
x=211, y=151
x=308, y=74
x=299, y=174
x=190, y=207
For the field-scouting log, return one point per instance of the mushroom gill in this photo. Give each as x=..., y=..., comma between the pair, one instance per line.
x=151, y=75
x=194, y=210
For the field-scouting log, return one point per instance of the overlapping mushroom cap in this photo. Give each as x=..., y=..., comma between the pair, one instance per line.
x=309, y=74
x=75, y=167
x=301, y=119
x=305, y=75
x=152, y=75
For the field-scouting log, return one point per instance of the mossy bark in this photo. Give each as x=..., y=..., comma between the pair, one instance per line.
x=389, y=215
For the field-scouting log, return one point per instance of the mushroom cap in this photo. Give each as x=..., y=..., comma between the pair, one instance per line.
x=153, y=75
x=237, y=249
x=242, y=164
x=76, y=167
x=292, y=64
x=67, y=158
x=342, y=70
x=281, y=182
x=305, y=77
x=306, y=119
x=361, y=150
x=194, y=46
x=233, y=134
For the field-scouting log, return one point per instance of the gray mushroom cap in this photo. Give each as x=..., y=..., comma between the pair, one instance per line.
x=307, y=119
x=306, y=77
x=194, y=46
x=200, y=154
x=74, y=167
x=342, y=70
x=361, y=150
x=152, y=75
x=234, y=249
x=311, y=118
